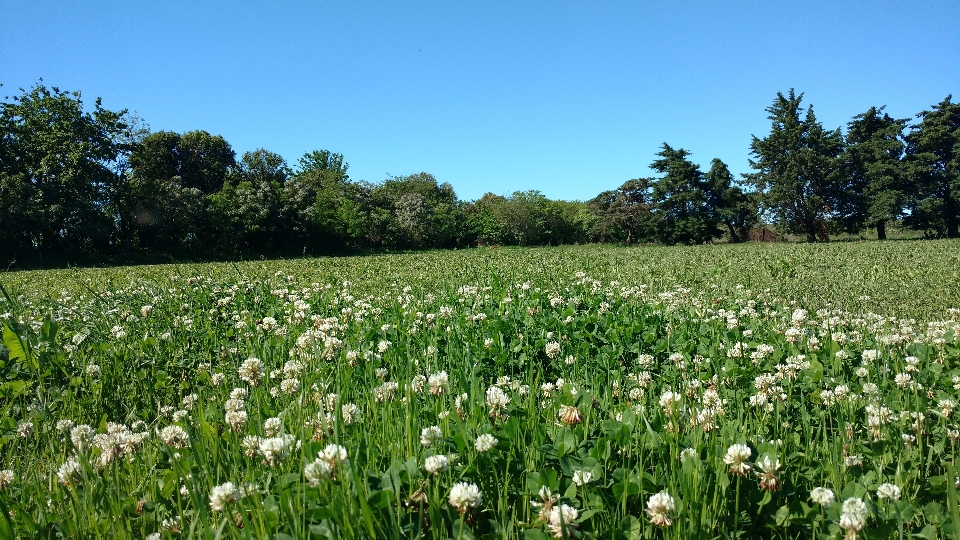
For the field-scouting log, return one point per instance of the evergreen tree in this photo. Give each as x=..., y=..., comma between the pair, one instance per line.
x=876, y=188
x=680, y=200
x=933, y=148
x=731, y=206
x=799, y=175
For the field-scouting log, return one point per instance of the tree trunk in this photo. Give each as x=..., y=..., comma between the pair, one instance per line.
x=950, y=214
x=734, y=237
x=882, y=229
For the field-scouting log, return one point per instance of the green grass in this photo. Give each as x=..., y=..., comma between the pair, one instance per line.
x=660, y=359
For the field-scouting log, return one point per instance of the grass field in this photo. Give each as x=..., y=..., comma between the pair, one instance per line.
x=755, y=391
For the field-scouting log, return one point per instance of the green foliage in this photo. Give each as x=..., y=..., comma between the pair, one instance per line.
x=55, y=171
x=799, y=173
x=933, y=147
x=605, y=375
x=878, y=187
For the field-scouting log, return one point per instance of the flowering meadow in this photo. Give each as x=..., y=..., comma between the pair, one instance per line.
x=763, y=391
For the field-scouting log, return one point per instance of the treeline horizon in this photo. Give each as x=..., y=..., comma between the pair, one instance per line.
x=98, y=183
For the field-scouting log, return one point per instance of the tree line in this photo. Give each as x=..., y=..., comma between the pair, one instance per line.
x=93, y=182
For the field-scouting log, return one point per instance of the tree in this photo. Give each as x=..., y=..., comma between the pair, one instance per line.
x=798, y=170
x=933, y=147
x=245, y=212
x=876, y=186
x=624, y=214
x=55, y=171
x=729, y=204
x=680, y=200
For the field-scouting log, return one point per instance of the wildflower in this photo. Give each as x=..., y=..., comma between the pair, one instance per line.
x=688, y=453
x=251, y=371
x=853, y=518
x=570, y=415
x=430, y=435
x=236, y=419
x=93, y=371
x=81, y=436
x=581, y=478
x=275, y=449
x=272, y=426
x=350, y=413
x=464, y=496
x=289, y=386
x=669, y=401
x=25, y=429
x=334, y=454
x=552, y=349
x=174, y=436
x=768, y=473
x=436, y=464
x=485, y=442
x=6, y=478
x=317, y=471
x=69, y=472
x=561, y=521
x=853, y=461
x=439, y=383
x=659, y=508
x=223, y=495
x=822, y=496
x=888, y=491
x=497, y=401
x=546, y=502
x=217, y=379
x=736, y=457
x=153, y=536
x=902, y=379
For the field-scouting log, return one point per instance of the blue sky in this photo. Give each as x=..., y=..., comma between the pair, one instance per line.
x=569, y=98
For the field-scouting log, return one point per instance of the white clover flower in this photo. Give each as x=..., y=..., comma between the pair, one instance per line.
x=552, y=349
x=659, y=508
x=736, y=457
x=822, y=496
x=334, y=454
x=272, y=426
x=688, y=453
x=25, y=430
x=81, y=436
x=485, y=442
x=350, y=413
x=854, y=505
x=289, y=386
x=317, y=472
x=217, y=379
x=464, y=496
x=888, y=491
x=439, y=383
x=69, y=472
x=153, y=536
x=581, y=478
x=236, y=419
x=251, y=371
x=902, y=379
x=174, y=436
x=430, y=435
x=92, y=371
x=6, y=478
x=497, y=400
x=223, y=495
x=436, y=464
x=853, y=461
x=852, y=523
x=562, y=521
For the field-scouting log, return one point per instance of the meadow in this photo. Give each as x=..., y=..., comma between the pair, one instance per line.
x=723, y=391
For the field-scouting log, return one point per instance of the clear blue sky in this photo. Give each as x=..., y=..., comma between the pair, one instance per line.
x=569, y=98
